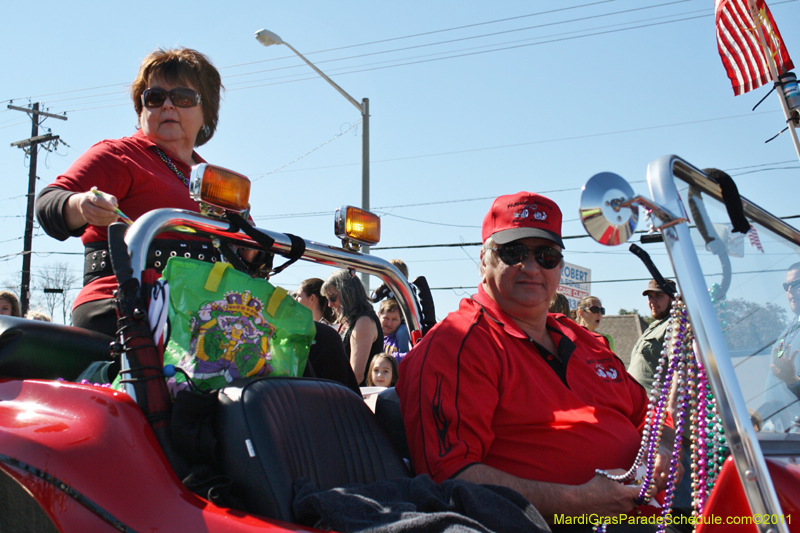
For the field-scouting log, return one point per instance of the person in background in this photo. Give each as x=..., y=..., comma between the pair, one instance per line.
x=9, y=304
x=35, y=314
x=589, y=313
x=176, y=96
x=783, y=383
x=309, y=295
x=559, y=304
x=647, y=350
x=382, y=371
x=383, y=290
x=644, y=361
x=501, y=392
x=401, y=266
x=425, y=305
x=358, y=324
x=326, y=357
x=395, y=333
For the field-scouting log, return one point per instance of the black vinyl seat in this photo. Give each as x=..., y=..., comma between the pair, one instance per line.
x=275, y=430
x=387, y=411
x=30, y=349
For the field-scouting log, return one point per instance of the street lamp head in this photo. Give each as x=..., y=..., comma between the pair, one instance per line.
x=268, y=38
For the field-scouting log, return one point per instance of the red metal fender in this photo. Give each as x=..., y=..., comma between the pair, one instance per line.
x=97, y=442
x=727, y=509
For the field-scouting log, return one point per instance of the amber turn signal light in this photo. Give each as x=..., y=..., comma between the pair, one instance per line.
x=219, y=187
x=356, y=225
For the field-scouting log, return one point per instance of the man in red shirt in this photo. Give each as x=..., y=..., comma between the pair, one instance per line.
x=501, y=393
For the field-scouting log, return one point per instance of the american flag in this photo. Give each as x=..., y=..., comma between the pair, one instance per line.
x=739, y=23
x=755, y=242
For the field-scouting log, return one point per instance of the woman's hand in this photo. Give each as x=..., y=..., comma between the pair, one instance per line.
x=95, y=208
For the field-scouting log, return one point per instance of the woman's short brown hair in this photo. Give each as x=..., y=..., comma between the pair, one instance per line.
x=183, y=65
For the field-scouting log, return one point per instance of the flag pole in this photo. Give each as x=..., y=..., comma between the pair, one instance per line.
x=773, y=70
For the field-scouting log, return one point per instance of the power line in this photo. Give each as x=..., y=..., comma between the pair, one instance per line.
x=444, y=30
x=462, y=244
x=480, y=36
x=543, y=141
x=126, y=85
x=483, y=198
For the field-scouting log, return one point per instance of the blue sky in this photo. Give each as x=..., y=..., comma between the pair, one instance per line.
x=469, y=100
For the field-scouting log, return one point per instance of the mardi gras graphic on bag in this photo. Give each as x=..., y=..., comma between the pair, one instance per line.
x=225, y=325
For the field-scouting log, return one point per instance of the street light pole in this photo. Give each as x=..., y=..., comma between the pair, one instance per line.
x=267, y=38
x=365, y=157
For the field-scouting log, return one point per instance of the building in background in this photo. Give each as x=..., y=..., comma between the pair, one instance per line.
x=626, y=330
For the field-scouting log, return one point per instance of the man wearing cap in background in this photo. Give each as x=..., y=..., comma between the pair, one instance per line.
x=501, y=393
x=644, y=360
x=647, y=350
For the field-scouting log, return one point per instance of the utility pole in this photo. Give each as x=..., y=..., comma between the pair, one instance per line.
x=31, y=146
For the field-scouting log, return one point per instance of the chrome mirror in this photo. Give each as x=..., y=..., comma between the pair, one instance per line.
x=608, y=210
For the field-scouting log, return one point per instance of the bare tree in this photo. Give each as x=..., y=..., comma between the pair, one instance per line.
x=56, y=282
x=11, y=284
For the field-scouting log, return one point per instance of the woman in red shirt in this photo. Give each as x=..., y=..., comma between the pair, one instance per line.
x=176, y=96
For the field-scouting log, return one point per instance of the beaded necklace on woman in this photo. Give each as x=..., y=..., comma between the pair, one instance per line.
x=171, y=164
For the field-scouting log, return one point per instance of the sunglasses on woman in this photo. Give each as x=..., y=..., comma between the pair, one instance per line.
x=513, y=254
x=596, y=310
x=180, y=97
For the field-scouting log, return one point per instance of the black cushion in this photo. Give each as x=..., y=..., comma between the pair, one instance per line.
x=32, y=349
x=275, y=430
x=387, y=411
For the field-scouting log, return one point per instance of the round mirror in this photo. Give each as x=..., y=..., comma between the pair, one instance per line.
x=606, y=211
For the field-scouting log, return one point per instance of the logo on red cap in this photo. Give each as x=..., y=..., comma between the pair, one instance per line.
x=520, y=216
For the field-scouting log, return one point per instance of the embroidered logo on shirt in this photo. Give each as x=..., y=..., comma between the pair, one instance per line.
x=604, y=369
x=610, y=373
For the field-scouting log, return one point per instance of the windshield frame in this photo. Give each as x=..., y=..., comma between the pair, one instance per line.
x=710, y=345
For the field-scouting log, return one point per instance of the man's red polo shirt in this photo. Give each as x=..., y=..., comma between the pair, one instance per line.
x=477, y=390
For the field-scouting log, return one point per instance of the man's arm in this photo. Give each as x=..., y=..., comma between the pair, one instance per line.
x=600, y=495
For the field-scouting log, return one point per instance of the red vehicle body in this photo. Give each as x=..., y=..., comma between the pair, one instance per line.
x=101, y=464
x=79, y=457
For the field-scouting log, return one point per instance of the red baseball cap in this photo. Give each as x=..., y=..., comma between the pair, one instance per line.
x=522, y=215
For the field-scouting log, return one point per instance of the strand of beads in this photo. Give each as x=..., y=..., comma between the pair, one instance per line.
x=681, y=335
x=709, y=448
x=699, y=473
x=659, y=398
x=718, y=300
x=168, y=161
x=677, y=342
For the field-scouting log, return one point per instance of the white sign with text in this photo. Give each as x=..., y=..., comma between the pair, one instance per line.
x=575, y=283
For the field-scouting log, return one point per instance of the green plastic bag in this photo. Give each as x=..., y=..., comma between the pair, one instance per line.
x=225, y=325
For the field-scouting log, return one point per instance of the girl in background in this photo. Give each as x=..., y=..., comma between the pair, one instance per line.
x=9, y=304
x=382, y=371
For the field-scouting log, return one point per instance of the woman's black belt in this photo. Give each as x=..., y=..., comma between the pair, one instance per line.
x=97, y=262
